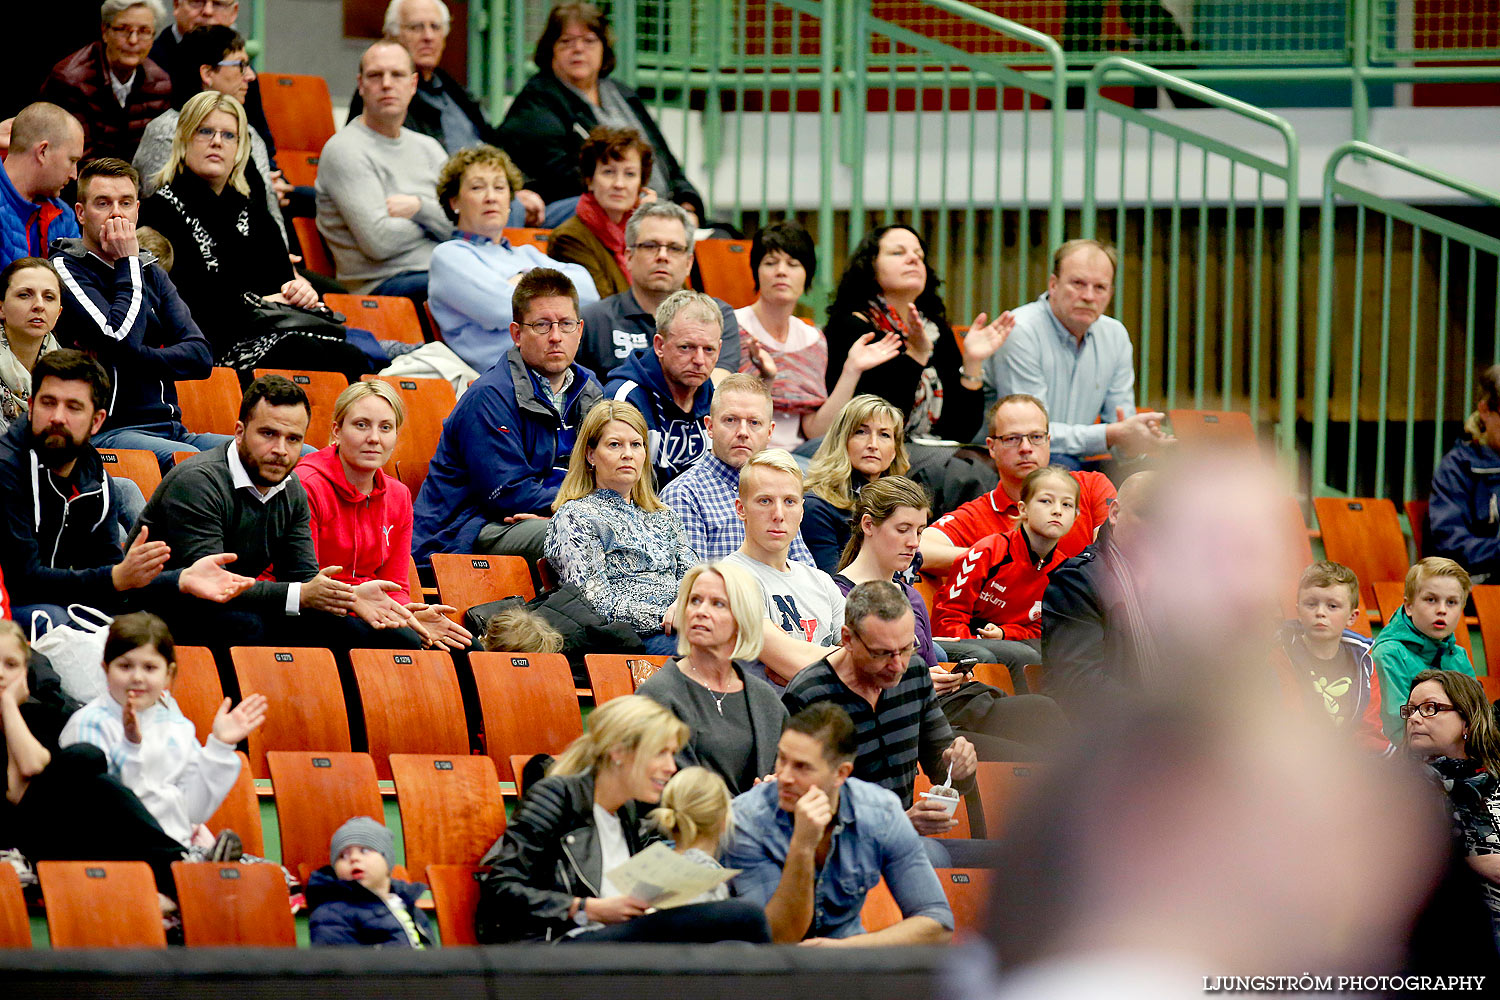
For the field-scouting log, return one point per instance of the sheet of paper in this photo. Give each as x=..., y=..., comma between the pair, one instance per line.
x=662, y=877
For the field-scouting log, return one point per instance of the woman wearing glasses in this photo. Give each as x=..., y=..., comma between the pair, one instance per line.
x=110, y=85
x=1450, y=724
x=219, y=60
x=226, y=247
x=471, y=276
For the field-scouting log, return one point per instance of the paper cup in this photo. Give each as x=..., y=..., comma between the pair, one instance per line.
x=948, y=802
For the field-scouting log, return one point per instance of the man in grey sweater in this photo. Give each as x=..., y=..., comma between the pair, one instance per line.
x=377, y=185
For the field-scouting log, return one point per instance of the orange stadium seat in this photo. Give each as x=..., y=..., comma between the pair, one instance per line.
x=968, y=892
x=298, y=109
x=466, y=580
x=999, y=785
x=1212, y=428
x=411, y=704
x=233, y=905
x=452, y=810
x=322, y=389
x=388, y=317
x=15, y=925
x=1364, y=533
x=880, y=910
x=455, y=897
x=316, y=792
x=73, y=891
x=528, y=704
x=307, y=701
x=520, y=236
x=994, y=674
x=140, y=467
x=298, y=166
x=211, y=405
x=316, y=256
x=610, y=675
x=1486, y=597
x=428, y=403
x=1036, y=676
x=725, y=268
x=1416, y=521
x=196, y=687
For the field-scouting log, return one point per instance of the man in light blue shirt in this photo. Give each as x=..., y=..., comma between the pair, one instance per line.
x=1067, y=353
x=812, y=842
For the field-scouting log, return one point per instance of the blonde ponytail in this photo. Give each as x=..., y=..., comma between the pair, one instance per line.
x=694, y=802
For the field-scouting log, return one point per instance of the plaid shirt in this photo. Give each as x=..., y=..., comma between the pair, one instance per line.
x=703, y=497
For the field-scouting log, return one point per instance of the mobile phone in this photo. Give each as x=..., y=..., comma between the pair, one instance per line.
x=965, y=665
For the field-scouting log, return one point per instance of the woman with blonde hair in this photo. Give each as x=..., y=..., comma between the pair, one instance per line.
x=361, y=516
x=715, y=683
x=549, y=877
x=229, y=253
x=610, y=536
x=865, y=442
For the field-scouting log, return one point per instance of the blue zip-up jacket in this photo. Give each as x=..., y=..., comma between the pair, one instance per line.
x=130, y=317
x=341, y=912
x=1464, y=515
x=498, y=455
x=26, y=228
x=678, y=438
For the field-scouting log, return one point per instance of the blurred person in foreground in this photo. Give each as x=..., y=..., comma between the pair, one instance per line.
x=1205, y=831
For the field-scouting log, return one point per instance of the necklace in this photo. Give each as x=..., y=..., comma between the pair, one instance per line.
x=715, y=695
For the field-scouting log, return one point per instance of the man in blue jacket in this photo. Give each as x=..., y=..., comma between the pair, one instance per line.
x=45, y=145
x=120, y=306
x=670, y=382
x=505, y=446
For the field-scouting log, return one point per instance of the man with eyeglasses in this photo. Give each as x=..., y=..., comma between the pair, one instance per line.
x=111, y=86
x=505, y=447
x=659, y=241
x=1019, y=443
x=377, y=185
x=1077, y=361
x=897, y=721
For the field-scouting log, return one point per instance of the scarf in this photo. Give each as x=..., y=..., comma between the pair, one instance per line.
x=611, y=234
x=927, y=404
x=15, y=380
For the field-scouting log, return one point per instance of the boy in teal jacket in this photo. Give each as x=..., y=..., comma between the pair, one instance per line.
x=1420, y=637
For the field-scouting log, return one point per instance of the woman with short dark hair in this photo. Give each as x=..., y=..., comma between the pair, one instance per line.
x=613, y=164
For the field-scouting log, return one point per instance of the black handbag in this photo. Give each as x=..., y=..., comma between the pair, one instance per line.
x=283, y=317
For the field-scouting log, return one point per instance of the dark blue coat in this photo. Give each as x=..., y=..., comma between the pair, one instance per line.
x=678, y=438
x=1464, y=515
x=343, y=912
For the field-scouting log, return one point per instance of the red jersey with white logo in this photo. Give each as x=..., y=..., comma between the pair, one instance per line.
x=997, y=583
x=995, y=513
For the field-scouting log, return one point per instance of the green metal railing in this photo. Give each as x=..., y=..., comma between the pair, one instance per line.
x=1427, y=284
x=1210, y=332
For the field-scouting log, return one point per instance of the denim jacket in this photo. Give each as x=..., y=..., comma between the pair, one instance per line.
x=872, y=837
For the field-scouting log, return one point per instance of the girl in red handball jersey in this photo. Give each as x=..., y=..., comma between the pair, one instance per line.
x=995, y=591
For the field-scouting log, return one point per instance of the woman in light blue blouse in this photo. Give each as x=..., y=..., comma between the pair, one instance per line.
x=609, y=535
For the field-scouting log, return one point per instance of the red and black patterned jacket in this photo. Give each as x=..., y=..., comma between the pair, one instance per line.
x=995, y=583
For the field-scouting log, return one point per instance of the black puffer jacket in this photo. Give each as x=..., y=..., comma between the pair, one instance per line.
x=548, y=855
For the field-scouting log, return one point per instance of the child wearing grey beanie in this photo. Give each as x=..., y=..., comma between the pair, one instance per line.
x=356, y=901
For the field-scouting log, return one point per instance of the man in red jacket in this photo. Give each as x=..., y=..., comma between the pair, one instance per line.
x=1020, y=444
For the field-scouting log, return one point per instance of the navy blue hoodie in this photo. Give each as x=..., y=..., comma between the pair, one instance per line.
x=130, y=317
x=678, y=438
x=1464, y=515
x=341, y=912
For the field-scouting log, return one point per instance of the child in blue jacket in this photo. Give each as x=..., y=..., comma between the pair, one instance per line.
x=355, y=900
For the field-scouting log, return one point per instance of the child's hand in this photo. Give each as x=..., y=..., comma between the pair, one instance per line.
x=132, y=727
x=231, y=727
x=16, y=692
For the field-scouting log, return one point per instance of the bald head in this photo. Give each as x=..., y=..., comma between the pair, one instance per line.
x=43, y=122
x=1132, y=504
x=392, y=46
x=46, y=144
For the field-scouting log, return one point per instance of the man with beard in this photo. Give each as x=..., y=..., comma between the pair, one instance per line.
x=58, y=543
x=242, y=498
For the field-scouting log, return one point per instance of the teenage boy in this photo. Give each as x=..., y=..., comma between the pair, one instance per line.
x=803, y=604
x=1421, y=637
x=1323, y=662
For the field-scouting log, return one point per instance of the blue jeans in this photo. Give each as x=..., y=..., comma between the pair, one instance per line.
x=408, y=284
x=160, y=439
x=658, y=643
x=57, y=613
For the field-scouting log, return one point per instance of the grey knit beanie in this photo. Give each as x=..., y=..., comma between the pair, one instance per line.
x=364, y=832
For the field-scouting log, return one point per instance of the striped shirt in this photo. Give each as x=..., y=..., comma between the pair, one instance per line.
x=905, y=725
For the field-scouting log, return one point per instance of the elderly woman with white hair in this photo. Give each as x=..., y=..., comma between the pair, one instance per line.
x=111, y=86
x=714, y=684
x=229, y=251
